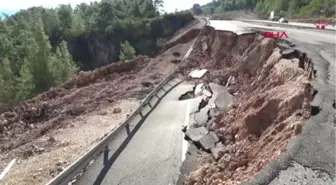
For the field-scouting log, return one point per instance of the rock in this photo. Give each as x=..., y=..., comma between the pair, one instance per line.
x=209, y=141
x=224, y=101
x=146, y=84
x=64, y=144
x=201, y=117
x=195, y=134
x=117, y=110
x=59, y=163
x=51, y=139
x=40, y=150
x=198, y=90
x=102, y=113
x=207, y=93
x=60, y=169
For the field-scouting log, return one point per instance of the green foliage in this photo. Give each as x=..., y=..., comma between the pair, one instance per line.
x=127, y=52
x=293, y=8
x=42, y=47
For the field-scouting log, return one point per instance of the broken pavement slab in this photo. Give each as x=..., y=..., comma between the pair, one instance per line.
x=209, y=141
x=224, y=101
x=198, y=73
x=195, y=134
x=201, y=117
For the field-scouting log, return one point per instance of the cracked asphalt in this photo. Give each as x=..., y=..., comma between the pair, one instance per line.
x=310, y=157
x=154, y=154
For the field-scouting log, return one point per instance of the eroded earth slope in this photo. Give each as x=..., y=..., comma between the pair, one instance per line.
x=271, y=102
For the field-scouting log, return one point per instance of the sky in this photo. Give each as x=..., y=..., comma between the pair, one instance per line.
x=12, y=6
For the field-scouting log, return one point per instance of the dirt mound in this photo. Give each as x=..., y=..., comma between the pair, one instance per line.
x=272, y=102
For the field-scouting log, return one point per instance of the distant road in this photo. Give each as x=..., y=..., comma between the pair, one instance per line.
x=304, y=25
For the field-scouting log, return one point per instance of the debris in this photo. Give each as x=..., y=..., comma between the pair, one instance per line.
x=102, y=113
x=209, y=141
x=195, y=134
x=198, y=73
x=216, y=151
x=199, y=89
x=224, y=101
x=117, y=110
x=146, y=84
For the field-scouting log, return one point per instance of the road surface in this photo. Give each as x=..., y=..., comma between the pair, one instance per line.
x=154, y=155
x=310, y=158
x=302, y=25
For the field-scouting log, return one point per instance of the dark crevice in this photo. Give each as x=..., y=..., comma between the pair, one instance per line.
x=176, y=54
x=176, y=61
x=203, y=104
x=188, y=94
x=334, y=104
x=315, y=110
x=314, y=93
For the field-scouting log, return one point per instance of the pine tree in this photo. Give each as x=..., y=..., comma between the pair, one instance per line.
x=127, y=52
x=7, y=82
x=62, y=66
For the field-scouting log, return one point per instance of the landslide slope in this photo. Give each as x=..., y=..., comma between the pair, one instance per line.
x=272, y=95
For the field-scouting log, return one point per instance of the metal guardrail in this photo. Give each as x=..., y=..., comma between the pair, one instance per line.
x=79, y=166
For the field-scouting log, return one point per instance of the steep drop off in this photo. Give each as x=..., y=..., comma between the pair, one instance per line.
x=272, y=95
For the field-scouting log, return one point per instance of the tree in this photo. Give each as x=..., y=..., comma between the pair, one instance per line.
x=197, y=9
x=127, y=52
x=7, y=81
x=62, y=66
x=41, y=47
x=158, y=4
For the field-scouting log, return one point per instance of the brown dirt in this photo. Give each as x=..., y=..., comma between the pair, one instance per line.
x=34, y=130
x=271, y=106
x=67, y=144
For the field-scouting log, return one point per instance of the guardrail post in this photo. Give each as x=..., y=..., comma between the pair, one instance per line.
x=128, y=129
x=106, y=156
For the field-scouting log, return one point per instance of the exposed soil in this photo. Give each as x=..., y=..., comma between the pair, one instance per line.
x=272, y=102
x=60, y=147
x=62, y=123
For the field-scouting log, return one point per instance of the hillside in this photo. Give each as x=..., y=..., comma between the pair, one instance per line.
x=42, y=48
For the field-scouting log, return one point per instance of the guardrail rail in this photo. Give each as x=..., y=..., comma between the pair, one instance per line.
x=77, y=168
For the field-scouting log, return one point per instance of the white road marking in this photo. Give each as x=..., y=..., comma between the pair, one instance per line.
x=6, y=170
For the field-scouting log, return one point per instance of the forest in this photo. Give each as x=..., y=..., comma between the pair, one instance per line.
x=43, y=47
x=288, y=8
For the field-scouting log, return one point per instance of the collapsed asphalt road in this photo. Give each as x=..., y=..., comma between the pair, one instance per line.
x=310, y=157
x=156, y=152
